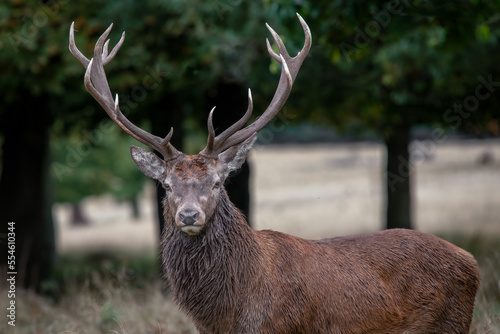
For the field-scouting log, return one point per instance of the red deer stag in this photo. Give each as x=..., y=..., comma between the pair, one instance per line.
x=231, y=279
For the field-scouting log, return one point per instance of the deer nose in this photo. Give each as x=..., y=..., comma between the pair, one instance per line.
x=188, y=217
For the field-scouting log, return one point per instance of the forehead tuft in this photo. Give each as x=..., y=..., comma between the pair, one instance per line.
x=193, y=166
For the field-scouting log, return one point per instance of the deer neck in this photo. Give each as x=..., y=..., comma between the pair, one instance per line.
x=205, y=270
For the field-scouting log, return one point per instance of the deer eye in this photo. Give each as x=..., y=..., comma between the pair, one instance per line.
x=217, y=185
x=167, y=187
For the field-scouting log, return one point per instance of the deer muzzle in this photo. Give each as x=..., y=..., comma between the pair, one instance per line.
x=190, y=220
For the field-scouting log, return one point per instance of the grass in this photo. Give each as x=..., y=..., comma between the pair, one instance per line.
x=100, y=292
x=120, y=293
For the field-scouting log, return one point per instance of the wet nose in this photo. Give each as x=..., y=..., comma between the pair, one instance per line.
x=188, y=217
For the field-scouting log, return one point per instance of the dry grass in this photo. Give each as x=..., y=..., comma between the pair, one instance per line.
x=312, y=192
x=96, y=301
x=109, y=310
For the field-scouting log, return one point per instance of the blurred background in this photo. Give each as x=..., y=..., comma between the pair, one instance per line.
x=393, y=121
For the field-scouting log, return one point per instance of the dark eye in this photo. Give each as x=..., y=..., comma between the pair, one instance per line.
x=167, y=187
x=217, y=185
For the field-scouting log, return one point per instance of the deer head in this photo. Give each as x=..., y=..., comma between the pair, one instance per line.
x=193, y=183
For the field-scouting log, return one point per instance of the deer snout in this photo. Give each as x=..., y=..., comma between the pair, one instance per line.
x=188, y=217
x=190, y=221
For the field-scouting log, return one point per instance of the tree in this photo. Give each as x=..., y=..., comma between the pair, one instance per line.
x=389, y=66
x=28, y=63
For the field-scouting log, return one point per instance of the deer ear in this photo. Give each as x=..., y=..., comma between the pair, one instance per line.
x=148, y=162
x=235, y=156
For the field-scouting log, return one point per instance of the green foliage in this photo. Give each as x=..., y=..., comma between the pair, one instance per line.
x=186, y=45
x=370, y=60
x=94, y=164
x=394, y=62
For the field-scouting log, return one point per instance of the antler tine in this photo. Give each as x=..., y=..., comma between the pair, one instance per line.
x=105, y=49
x=290, y=68
x=214, y=142
x=211, y=133
x=98, y=76
x=114, y=51
x=97, y=85
x=238, y=125
x=73, y=49
x=278, y=41
x=271, y=51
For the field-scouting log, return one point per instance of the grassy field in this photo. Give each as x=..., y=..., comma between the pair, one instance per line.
x=106, y=281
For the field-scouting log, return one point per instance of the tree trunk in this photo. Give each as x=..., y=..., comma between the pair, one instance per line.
x=77, y=216
x=238, y=189
x=398, y=177
x=25, y=189
x=136, y=211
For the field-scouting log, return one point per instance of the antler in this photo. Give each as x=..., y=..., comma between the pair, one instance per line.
x=234, y=135
x=97, y=85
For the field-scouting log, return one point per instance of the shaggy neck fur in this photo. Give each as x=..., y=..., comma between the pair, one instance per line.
x=211, y=272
